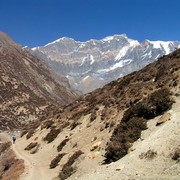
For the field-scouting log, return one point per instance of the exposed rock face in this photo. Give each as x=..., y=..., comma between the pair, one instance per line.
x=90, y=65
x=27, y=87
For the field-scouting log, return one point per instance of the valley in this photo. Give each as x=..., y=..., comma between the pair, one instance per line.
x=127, y=129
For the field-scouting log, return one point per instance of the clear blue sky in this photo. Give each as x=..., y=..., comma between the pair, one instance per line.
x=38, y=22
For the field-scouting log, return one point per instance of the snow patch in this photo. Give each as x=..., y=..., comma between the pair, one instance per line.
x=35, y=48
x=121, y=64
x=92, y=59
x=161, y=44
x=108, y=38
x=82, y=45
x=117, y=65
x=84, y=79
x=83, y=61
x=124, y=50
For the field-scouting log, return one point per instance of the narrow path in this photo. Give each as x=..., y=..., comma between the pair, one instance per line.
x=33, y=170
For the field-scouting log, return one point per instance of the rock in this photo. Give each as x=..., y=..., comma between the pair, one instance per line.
x=165, y=117
x=96, y=145
x=95, y=154
x=131, y=149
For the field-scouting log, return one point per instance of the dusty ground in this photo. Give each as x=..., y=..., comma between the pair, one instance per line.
x=162, y=140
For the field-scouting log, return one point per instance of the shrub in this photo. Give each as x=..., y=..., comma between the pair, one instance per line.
x=134, y=121
x=93, y=116
x=62, y=144
x=23, y=133
x=74, y=125
x=47, y=124
x=176, y=154
x=10, y=167
x=4, y=146
x=30, y=146
x=56, y=160
x=30, y=134
x=35, y=149
x=67, y=169
x=150, y=154
x=52, y=135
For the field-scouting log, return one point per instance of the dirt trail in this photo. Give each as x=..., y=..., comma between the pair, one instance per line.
x=33, y=168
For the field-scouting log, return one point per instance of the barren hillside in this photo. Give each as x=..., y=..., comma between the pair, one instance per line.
x=28, y=89
x=126, y=120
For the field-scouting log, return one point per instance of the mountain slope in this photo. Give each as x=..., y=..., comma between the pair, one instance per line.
x=103, y=125
x=92, y=64
x=27, y=87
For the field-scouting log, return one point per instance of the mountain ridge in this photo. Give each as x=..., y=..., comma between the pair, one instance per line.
x=27, y=87
x=91, y=64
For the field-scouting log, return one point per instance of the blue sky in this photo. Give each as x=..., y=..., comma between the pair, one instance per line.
x=38, y=22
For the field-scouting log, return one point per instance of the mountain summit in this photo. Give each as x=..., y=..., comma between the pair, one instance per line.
x=91, y=64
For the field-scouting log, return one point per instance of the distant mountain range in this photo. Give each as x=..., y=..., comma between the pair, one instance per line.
x=92, y=64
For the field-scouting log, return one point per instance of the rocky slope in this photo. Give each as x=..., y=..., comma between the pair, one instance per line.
x=27, y=87
x=106, y=125
x=92, y=64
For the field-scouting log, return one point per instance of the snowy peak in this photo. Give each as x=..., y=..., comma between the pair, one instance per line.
x=167, y=46
x=101, y=60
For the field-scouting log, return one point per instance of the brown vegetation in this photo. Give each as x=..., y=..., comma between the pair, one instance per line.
x=149, y=155
x=176, y=154
x=10, y=167
x=4, y=146
x=31, y=146
x=52, y=135
x=56, y=160
x=67, y=169
x=62, y=144
x=134, y=121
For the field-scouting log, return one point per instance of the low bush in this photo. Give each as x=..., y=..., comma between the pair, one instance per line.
x=31, y=146
x=62, y=144
x=47, y=124
x=134, y=121
x=10, y=167
x=30, y=133
x=4, y=146
x=56, y=160
x=176, y=154
x=74, y=125
x=150, y=154
x=23, y=133
x=52, y=135
x=67, y=169
x=93, y=116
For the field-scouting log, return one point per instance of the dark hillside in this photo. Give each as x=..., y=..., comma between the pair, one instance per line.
x=28, y=89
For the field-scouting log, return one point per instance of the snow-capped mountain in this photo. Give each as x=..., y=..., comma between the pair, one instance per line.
x=91, y=64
